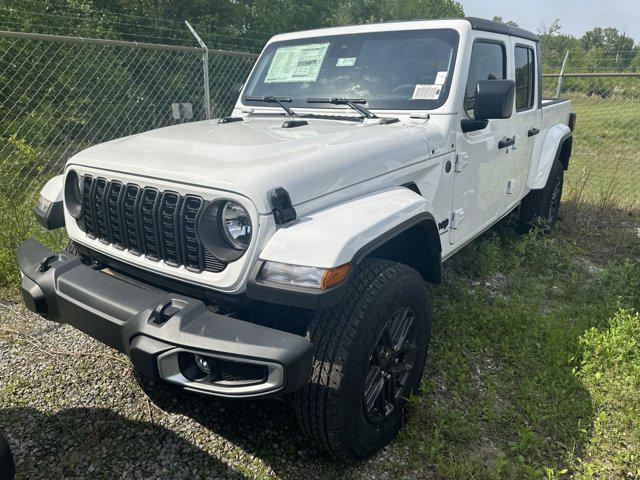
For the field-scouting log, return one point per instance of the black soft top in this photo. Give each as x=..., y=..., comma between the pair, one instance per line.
x=496, y=27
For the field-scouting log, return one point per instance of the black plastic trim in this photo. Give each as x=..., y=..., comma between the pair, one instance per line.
x=565, y=146
x=52, y=217
x=283, y=210
x=485, y=25
x=117, y=313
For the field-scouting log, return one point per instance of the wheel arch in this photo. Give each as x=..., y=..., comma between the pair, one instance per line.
x=415, y=242
x=557, y=146
x=393, y=224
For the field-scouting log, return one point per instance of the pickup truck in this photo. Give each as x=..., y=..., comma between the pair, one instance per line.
x=284, y=250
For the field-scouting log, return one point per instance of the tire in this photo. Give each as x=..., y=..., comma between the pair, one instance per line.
x=541, y=207
x=331, y=407
x=7, y=465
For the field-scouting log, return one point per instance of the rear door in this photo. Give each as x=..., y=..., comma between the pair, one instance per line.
x=483, y=168
x=527, y=118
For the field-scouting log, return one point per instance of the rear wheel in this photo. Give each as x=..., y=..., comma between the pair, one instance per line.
x=541, y=207
x=370, y=352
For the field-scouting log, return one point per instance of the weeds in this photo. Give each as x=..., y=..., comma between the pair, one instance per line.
x=534, y=338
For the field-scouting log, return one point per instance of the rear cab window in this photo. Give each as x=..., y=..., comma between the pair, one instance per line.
x=524, y=58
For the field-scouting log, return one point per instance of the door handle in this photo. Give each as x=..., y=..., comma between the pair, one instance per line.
x=532, y=131
x=506, y=142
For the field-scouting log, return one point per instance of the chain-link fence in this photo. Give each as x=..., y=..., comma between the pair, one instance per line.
x=605, y=165
x=59, y=95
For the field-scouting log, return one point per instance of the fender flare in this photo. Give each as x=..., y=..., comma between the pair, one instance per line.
x=557, y=145
x=345, y=233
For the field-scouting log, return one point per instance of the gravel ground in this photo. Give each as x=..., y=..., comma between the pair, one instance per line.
x=73, y=408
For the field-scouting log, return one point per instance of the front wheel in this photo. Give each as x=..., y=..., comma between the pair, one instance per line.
x=369, y=355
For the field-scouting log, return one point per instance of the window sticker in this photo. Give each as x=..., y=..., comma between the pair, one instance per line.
x=346, y=62
x=426, y=92
x=441, y=78
x=300, y=63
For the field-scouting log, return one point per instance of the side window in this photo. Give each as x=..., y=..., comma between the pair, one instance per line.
x=525, y=78
x=488, y=62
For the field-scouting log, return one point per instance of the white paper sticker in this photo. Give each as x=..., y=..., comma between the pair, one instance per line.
x=426, y=92
x=346, y=62
x=300, y=63
x=441, y=78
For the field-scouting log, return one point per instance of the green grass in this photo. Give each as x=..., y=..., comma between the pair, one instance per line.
x=534, y=369
x=18, y=223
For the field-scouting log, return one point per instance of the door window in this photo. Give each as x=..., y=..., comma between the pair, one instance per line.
x=488, y=62
x=525, y=78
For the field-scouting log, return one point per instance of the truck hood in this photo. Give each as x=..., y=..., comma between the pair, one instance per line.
x=256, y=155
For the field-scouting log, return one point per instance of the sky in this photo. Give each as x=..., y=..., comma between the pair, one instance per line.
x=576, y=16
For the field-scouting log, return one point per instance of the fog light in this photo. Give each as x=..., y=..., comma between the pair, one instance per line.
x=202, y=363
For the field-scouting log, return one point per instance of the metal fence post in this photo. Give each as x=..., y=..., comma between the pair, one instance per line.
x=205, y=67
x=561, y=76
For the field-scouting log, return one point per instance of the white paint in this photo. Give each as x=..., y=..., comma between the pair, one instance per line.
x=332, y=237
x=53, y=190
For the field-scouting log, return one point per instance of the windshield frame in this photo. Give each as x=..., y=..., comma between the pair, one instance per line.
x=374, y=104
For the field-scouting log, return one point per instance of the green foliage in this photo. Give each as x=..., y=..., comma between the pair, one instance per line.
x=19, y=223
x=610, y=366
x=524, y=359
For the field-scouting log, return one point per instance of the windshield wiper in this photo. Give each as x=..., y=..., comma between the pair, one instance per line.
x=355, y=103
x=279, y=100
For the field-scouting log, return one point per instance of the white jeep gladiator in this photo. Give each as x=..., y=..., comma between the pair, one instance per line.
x=284, y=250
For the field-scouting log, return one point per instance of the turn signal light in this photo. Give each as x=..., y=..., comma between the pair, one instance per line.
x=333, y=276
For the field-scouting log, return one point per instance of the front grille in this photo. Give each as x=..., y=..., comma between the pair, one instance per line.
x=146, y=221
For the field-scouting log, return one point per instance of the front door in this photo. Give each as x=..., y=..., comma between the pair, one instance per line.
x=483, y=168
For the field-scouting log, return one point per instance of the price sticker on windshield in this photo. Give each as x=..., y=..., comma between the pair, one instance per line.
x=300, y=63
x=426, y=92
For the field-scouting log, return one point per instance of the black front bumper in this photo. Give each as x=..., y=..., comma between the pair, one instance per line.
x=149, y=324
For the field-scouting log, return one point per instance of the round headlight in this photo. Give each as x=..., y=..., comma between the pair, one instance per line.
x=73, y=194
x=235, y=224
x=225, y=229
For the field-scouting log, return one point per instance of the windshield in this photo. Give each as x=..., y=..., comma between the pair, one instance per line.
x=390, y=70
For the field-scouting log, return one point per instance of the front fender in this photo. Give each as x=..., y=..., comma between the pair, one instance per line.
x=345, y=232
x=551, y=148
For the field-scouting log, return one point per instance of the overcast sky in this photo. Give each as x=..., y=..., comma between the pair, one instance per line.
x=576, y=16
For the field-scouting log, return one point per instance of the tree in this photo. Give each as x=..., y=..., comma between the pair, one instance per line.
x=509, y=22
x=617, y=48
x=367, y=11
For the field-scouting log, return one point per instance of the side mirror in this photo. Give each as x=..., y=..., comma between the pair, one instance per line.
x=493, y=100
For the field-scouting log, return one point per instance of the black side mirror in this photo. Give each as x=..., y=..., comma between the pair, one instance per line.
x=493, y=100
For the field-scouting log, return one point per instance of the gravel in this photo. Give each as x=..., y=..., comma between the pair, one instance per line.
x=73, y=408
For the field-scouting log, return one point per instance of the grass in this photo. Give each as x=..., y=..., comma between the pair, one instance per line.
x=535, y=363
